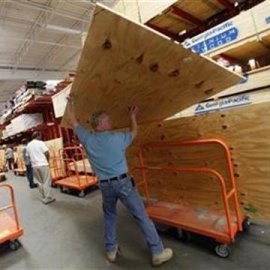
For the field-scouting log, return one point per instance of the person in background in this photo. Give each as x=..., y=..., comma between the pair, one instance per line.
x=28, y=165
x=39, y=157
x=9, y=154
x=106, y=153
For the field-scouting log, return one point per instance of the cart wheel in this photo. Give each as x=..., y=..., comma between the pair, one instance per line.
x=14, y=244
x=246, y=224
x=162, y=228
x=222, y=250
x=81, y=194
x=183, y=235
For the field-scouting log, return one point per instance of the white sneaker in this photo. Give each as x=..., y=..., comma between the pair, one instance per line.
x=48, y=200
x=111, y=256
x=163, y=257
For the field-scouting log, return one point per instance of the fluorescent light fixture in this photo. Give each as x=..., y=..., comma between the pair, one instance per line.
x=63, y=29
x=182, y=32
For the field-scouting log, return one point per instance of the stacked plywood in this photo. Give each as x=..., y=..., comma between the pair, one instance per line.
x=228, y=103
x=246, y=130
x=26, y=121
x=55, y=160
x=258, y=78
x=124, y=64
x=19, y=158
x=2, y=159
x=9, y=130
x=244, y=35
x=59, y=101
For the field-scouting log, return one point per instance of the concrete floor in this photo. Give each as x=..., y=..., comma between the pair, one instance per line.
x=68, y=234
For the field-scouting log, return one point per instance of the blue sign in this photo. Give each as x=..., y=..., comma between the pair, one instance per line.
x=245, y=75
x=199, y=108
x=267, y=20
x=223, y=104
x=216, y=41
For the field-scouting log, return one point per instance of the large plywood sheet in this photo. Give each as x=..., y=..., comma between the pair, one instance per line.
x=124, y=64
x=2, y=158
x=56, y=164
x=246, y=130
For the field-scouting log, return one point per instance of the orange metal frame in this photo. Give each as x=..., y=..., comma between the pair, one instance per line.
x=9, y=224
x=56, y=167
x=226, y=196
x=81, y=180
x=21, y=169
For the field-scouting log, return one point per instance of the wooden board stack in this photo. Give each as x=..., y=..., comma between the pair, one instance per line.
x=243, y=129
x=55, y=163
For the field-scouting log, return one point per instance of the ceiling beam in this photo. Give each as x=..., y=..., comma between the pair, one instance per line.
x=55, y=50
x=65, y=45
x=226, y=3
x=185, y=15
x=31, y=35
x=10, y=74
x=163, y=31
x=219, y=18
x=50, y=10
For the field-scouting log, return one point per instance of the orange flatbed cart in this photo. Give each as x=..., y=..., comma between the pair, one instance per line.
x=10, y=229
x=21, y=169
x=189, y=219
x=2, y=176
x=75, y=179
x=57, y=170
x=20, y=172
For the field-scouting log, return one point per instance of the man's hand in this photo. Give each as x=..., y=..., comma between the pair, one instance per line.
x=133, y=110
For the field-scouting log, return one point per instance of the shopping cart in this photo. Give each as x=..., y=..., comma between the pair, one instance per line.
x=76, y=168
x=187, y=218
x=20, y=170
x=10, y=229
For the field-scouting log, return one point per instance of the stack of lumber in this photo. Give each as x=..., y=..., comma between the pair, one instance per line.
x=59, y=101
x=242, y=37
x=26, y=121
x=56, y=164
x=244, y=129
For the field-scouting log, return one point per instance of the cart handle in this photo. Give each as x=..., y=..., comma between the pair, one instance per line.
x=217, y=175
x=12, y=205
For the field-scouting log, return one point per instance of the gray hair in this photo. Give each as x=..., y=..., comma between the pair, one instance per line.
x=96, y=117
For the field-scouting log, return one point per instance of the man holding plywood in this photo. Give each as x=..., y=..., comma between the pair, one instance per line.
x=106, y=153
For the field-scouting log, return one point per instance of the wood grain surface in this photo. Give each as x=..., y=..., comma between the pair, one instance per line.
x=124, y=64
x=247, y=132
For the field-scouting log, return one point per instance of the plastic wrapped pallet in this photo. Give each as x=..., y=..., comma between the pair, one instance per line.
x=26, y=121
x=10, y=130
x=247, y=27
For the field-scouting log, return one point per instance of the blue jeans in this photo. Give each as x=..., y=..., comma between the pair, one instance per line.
x=128, y=195
x=29, y=175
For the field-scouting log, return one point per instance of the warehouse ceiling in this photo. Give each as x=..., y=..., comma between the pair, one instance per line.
x=40, y=40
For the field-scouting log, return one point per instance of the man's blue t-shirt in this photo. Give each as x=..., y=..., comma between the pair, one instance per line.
x=106, y=151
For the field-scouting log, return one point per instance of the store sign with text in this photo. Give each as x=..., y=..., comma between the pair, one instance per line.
x=214, y=38
x=223, y=104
